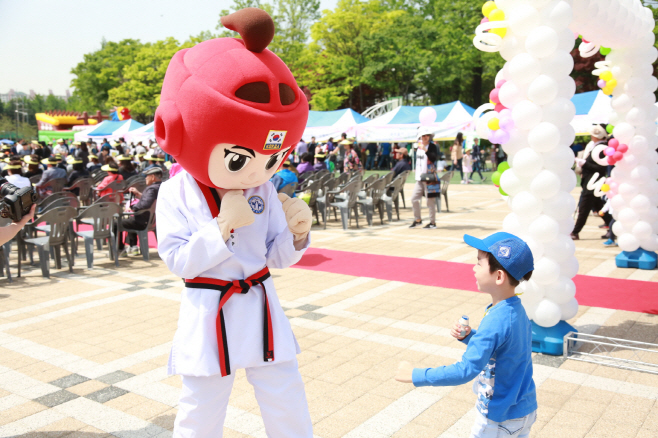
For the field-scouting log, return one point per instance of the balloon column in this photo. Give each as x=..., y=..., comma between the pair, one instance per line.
x=626, y=27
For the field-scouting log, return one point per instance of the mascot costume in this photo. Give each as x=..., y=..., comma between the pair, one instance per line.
x=230, y=113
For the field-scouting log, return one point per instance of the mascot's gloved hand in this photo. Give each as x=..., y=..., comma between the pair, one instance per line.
x=235, y=212
x=298, y=216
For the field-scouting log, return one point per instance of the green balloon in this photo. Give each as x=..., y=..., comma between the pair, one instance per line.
x=495, y=178
x=502, y=192
x=502, y=167
x=609, y=129
x=604, y=51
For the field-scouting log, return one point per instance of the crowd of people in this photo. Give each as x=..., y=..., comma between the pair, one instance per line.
x=37, y=163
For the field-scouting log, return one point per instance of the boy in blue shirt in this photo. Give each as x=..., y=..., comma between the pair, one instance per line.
x=499, y=352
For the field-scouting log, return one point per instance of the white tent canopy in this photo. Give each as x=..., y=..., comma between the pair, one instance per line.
x=108, y=129
x=591, y=107
x=145, y=133
x=325, y=124
x=403, y=122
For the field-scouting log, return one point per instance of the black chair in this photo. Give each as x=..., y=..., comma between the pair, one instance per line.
x=53, y=186
x=377, y=190
x=346, y=206
x=43, y=203
x=35, y=179
x=143, y=235
x=59, y=220
x=327, y=197
x=445, y=182
x=403, y=175
x=84, y=185
x=391, y=197
x=98, y=175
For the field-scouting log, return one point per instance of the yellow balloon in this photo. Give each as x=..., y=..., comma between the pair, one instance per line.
x=606, y=75
x=612, y=83
x=494, y=124
x=501, y=32
x=605, y=188
x=607, y=90
x=496, y=15
x=488, y=7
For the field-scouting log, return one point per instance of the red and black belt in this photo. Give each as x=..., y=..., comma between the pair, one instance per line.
x=227, y=289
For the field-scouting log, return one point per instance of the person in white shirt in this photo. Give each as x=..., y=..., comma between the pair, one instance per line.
x=426, y=156
x=15, y=170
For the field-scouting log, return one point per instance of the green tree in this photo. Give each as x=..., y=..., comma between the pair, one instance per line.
x=140, y=90
x=102, y=71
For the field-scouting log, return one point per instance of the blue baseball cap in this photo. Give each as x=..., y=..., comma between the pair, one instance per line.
x=511, y=252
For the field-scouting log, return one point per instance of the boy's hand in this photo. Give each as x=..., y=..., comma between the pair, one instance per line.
x=456, y=331
x=405, y=371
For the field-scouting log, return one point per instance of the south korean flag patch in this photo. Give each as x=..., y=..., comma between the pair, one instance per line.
x=275, y=140
x=504, y=252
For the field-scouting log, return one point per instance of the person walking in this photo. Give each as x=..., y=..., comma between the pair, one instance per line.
x=477, y=160
x=426, y=156
x=457, y=153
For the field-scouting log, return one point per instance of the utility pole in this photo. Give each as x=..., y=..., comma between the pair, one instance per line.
x=19, y=111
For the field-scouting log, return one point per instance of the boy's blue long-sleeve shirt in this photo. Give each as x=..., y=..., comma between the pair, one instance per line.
x=499, y=354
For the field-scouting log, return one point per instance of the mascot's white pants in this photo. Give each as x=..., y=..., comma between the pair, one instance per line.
x=279, y=391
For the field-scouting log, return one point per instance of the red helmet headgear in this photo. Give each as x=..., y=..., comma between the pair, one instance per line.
x=228, y=90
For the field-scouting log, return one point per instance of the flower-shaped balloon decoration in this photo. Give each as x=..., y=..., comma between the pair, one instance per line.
x=495, y=177
x=492, y=24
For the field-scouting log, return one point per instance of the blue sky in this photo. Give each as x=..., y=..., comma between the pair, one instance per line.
x=41, y=40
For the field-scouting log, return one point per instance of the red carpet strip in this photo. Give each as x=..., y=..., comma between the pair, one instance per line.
x=610, y=293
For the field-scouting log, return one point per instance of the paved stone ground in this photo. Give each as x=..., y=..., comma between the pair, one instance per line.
x=84, y=354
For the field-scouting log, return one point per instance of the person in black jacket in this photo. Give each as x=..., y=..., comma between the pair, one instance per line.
x=588, y=200
x=140, y=220
x=78, y=172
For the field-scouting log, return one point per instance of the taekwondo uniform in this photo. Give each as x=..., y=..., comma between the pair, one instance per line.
x=251, y=331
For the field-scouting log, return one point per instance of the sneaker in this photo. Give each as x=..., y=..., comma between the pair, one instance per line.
x=123, y=252
x=430, y=226
x=134, y=250
x=470, y=181
x=610, y=242
x=463, y=182
x=606, y=236
x=416, y=224
x=604, y=226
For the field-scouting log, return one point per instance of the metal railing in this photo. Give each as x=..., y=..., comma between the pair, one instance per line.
x=643, y=356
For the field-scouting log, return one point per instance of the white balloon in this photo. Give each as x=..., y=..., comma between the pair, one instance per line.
x=636, y=116
x=650, y=243
x=559, y=160
x=518, y=139
x=618, y=228
x=544, y=137
x=640, y=174
x=510, y=94
x=542, y=42
x=511, y=46
x=622, y=103
x=522, y=19
x=526, y=114
x=569, y=310
x=546, y=271
x=642, y=230
x=545, y=185
x=523, y=68
x=547, y=313
x=639, y=203
x=557, y=65
x=511, y=183
x=568, y=180
x=622, y=72
x=559, y=112
x=544, y=229
x=628, y=190
x=536, y=247
x=481, y=126
x=561, y=206
x=562, y=291
x=570, y=268
x=627, y=242
x=624, y=132
x=566, y=225
x=527, y=163
x=542, y=90
x=567, y=135
x=526, y=205
x=561, y=249
x=567, y=40
x=566, y=87
x=628, y=218
x=558, y=15
x=514, y=224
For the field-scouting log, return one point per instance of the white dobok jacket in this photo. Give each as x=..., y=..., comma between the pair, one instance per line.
x=191, y=244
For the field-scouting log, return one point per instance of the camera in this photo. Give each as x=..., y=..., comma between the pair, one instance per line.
x=16, y=202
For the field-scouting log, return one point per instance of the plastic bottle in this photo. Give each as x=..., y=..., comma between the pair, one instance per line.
x=463, y=321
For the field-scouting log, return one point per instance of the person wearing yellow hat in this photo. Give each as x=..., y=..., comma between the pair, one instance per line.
x=33, y=167
x=78, y=170
x=112, y=175
x=14, y=174
x=52, y=172
x=126, y=167
x=7, y=161
x=93, y=163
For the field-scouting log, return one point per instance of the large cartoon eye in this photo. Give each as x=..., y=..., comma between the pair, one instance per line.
x=274, y=159
x=234, y=161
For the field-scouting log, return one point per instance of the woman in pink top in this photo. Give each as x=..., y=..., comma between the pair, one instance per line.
x=112, y=175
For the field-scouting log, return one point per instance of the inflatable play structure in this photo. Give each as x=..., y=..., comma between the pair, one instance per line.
x=530, y=114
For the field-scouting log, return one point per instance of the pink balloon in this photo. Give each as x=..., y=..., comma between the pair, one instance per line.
x=601, y=83
x=613, y=143
x=484, y=20
x=613, y=186
x=493, y=96
x=500, y=83
x=622, y=148
x=611, y=194
x=499, y=136
x=609, y=152
x=505, y=113
x=506, y=123
x=611, y=161
x=499, y=107
x=618, y=156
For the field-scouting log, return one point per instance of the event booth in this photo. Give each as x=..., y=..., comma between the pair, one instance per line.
x=325, y=124
x=145, y=133
x=402, y=123
x=108, y=129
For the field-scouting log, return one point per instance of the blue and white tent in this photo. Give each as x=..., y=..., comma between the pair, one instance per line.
x=144, y=133
x=108, y=129
x=591, y=107
x=403, y=122
x=325, y=124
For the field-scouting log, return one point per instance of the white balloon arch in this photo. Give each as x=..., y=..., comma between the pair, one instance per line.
x=531, y=120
